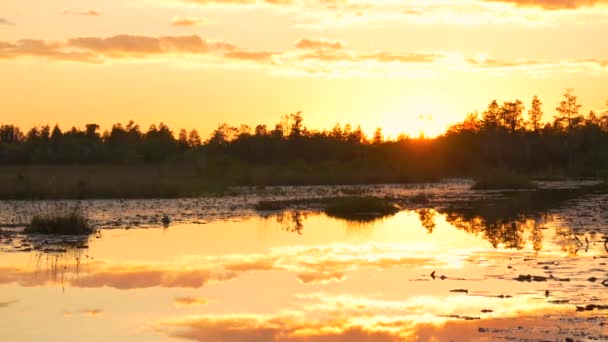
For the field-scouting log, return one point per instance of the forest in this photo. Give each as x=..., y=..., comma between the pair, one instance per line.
x=505, y=137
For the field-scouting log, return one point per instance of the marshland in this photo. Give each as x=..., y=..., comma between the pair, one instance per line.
x=495, y=230
x=433, y=258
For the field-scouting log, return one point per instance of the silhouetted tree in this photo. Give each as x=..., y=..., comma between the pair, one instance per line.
x=535, y=114
x=491, y=116
x=378, y=137
x=568, y=116
x=194, y=139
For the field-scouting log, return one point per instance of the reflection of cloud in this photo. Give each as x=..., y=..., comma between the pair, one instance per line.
x=189, y=301
x=320, y=277
x=252, y=328
x=145, y=277
x=345, y=318
x=313, y=265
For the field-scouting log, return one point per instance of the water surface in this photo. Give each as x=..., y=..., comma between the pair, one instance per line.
x=481, y=269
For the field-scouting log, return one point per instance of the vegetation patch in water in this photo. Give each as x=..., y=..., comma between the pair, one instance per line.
x=360, y=208
x=73, y=222
x=503, y=180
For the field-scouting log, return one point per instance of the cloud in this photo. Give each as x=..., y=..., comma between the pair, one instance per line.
x=6, y=304
x=86, y=12
x=256, y=56
x=189, y=301
x=240, y=2
x=91, y=313
x=134, y=45
x=187, y=21
x=554, y=4
x=41, y=48
x=362, y=57
x=95, y=49
x=306, y=43
x=4, y=21
x=493, y=63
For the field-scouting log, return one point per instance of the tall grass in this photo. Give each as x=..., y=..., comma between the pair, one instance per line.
x=106, y=181
x=60, y=219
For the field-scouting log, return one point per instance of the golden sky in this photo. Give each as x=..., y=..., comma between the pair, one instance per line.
x=408, y=66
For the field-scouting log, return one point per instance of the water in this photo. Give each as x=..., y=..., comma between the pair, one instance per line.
x=461, y=265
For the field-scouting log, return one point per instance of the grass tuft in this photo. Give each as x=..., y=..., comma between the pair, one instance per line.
x=58, y=223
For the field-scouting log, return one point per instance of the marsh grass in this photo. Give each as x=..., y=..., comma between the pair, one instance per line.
x=60, y=219
x=360, y=208
x=502, y=181
x=60, y=182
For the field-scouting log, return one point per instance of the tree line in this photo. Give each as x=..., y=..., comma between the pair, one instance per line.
x=503, y=136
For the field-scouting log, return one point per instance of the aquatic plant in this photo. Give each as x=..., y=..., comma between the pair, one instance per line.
x=61, y=221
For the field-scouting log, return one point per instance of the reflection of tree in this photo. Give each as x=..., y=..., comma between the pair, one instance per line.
x=292, y=221
x=507, y=232
x=510, y=220
x=427, y=218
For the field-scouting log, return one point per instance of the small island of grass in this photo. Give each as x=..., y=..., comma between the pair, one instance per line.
x=71, y=223
x=360, y=208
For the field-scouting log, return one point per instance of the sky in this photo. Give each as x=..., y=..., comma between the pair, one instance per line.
x=411, y=66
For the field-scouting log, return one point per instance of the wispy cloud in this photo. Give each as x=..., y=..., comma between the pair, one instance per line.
x=6, y=304
x=95, y=49
x=189, y=301
x=91, y=313
x=307, y=57
x=306, y=43
x=187, y=21
x=554, y=4
x=4, y=21
x=86, y=12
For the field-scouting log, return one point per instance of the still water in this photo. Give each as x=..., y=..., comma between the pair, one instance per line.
x=432, y=273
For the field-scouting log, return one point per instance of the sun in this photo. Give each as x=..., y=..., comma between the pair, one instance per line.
x=423, y=119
